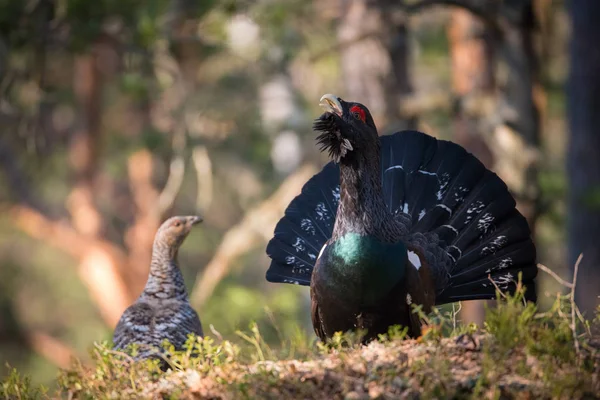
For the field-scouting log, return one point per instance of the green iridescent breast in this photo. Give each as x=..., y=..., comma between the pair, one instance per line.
x=362, y=267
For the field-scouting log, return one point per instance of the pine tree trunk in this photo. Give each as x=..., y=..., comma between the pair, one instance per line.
x=519, y=90
x=472, y=74
x=583, y=157
x=375, y=65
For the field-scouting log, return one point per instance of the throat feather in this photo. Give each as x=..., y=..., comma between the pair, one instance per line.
x=362, y=208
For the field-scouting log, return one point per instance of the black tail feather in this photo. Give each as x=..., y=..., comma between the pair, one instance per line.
x=435, y=188
x=306, y=226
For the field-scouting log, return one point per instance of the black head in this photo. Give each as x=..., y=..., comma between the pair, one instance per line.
x=347, y=129
x=174, y=230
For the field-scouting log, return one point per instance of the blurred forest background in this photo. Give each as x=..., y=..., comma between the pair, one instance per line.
x=115, y=114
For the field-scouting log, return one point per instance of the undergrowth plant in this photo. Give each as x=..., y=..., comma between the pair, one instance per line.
x=518, y=352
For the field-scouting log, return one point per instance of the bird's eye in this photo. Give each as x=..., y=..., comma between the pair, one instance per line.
x=177, y=224
x=358, y=113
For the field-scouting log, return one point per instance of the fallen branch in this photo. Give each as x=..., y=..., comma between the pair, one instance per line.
x=555, y=276
x=573, y=305
x=51, y=349
x=100, y=260
x=56, y=233
x=176, y=171
x=204, y=177
x=568, y=285
x=256, y=226
x=497, y=287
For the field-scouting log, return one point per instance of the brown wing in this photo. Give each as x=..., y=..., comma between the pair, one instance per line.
x=133, y=326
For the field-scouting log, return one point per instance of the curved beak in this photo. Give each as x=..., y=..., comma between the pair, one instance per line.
x=194, y=220
x=331, y=103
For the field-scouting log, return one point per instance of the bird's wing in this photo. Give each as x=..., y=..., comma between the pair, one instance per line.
x=150, y=324
x=174, y=321
x=134, y=326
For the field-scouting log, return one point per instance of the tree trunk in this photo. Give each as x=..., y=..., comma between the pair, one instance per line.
x=398, y=83
x=375, y=65
x=472, y=75
x=101, y=269
x=521, y=113
x=583, y=157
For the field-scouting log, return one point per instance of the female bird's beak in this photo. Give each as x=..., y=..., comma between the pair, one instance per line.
x=331, y=103
x=194, y=220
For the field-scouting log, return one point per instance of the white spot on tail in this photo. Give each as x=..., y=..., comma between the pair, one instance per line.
x=322, y=213
x=450, y=227
x=414, y=259
x=427, y=172
x=307, y=225
x=504, y=280
x=505, y=263
x=336, y=194
x=443, y=184
x=459, y=194
x=408, y=299
x=405, y=208
x=394, y=167
x=485, y=222
x=421, y=214
x=473, y=210
x=299, y=245
x=494, y=245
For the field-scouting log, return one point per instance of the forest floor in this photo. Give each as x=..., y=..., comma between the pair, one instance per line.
x=519, y=353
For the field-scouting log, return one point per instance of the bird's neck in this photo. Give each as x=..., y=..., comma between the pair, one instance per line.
x=362, y=208
x=165, y=280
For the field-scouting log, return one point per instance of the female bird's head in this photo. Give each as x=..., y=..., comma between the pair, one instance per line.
x=174, y=230
x=347, y=130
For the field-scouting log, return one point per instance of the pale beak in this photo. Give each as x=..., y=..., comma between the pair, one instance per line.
x=331, y=103
x=194, y=220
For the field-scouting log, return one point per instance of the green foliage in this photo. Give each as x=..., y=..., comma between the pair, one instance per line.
x=16, y=386
x=510, y=322
x=522, y=352
x=395, y=332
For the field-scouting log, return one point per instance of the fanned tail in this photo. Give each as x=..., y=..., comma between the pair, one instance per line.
x=459, y=213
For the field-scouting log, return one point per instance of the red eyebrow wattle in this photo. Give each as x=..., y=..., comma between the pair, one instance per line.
x=360, y=111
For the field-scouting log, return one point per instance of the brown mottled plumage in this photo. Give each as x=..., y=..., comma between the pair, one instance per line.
x=162, y=311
